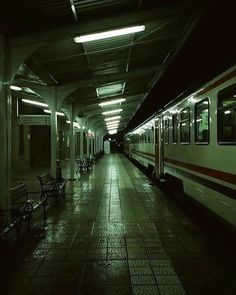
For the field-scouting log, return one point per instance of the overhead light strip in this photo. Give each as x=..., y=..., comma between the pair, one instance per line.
x=16, y=88
x=41, y=104
x=58, y=113
x=111, y=102
x=112, y=118
x=109, y=34
x=112, y=122
x=112, y=112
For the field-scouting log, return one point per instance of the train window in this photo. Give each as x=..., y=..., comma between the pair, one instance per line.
x=227, y=115
x=202, y=122
x=166, y=131
x=184, y=126
x=175, y=128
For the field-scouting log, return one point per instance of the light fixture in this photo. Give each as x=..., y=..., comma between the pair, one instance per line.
x=37, y=103
x=112, y=125
x=58, y=113
x=109, y=34
x=75, y=124
x=68, y=121
x=16, y=88
x=110, y=89
x=111, y=129
x=112, y=112
x=111, y=102
x=112, y=132
x=112, y=122
x=112, y=118
x=227, y=112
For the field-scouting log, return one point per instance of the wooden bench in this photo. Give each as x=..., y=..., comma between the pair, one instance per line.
x=23, y=207
x=52, y=187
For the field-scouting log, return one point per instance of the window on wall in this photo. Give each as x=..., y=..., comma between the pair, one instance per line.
x=185, y=126
x=175, y=128
x=202, y=121
x=166, y=131
x=227, y=115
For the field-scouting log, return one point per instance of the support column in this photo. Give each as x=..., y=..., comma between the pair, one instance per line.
x=5, y=129
x=102, y=143
x=81, y=146
x=53, y=107
x=88, y=147
x=99, y=143
x=72, y=145
x=92, y=146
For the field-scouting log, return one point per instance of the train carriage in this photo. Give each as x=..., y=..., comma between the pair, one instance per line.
x=192, y=140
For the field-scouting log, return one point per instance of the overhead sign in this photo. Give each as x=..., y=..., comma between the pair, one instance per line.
x=34, y=120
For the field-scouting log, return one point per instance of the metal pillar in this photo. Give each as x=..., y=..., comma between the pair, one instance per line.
x=88, y=147
x=5, y=129
x=99, y=143
x=81, y=145
x=72, y=145
x=53, y=107
x=92, y=146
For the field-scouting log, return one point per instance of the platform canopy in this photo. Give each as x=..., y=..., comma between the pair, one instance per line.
x=124, y=66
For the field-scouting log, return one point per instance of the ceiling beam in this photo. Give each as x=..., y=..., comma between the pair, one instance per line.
x=106, y=78
x=105, y=23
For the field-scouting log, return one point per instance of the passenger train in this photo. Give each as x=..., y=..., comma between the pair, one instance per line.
x=192, y=141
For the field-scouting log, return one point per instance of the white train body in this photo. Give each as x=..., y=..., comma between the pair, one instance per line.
x=193, y=139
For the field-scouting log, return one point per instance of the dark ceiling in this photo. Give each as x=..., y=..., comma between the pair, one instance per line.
x=209, y=51
x=181, y=43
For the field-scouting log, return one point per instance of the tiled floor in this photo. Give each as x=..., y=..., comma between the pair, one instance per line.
x=116, y=234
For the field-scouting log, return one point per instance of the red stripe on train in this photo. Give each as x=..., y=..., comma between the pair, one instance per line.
x=225, y=176
x=217, y=83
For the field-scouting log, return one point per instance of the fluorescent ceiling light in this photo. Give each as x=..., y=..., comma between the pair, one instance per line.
x=112, y=118
x=75, y=124
x=16, y=88
x=112, y=112
x=109, y=34
x=111, y=102
x=37, y=103
x=58, y=113
x=110, y=89
x=111, y=129
x=113, y=122
x=112, y=132
x=111, y=125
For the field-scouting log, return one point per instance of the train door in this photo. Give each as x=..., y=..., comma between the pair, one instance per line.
x=159, y=166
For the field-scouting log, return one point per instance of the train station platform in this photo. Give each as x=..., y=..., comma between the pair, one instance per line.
x=115, y=233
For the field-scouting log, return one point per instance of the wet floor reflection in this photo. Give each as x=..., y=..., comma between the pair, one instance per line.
x=114, y=234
